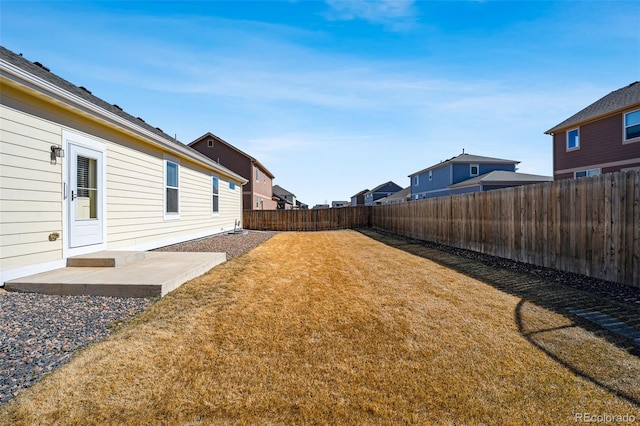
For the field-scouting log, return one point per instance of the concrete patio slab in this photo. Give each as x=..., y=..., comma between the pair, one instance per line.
x=156, y=274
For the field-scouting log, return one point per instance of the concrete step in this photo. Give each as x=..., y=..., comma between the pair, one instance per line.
x=105, y=259
x=156, y=274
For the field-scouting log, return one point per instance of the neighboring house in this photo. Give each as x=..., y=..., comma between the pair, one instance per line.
x=286, y=200
x=468, y=173
x=257, y=194
x=380, y=191
x=401, y=196
x=301, y=206
x=338, y=204
x=604, y=137
x=358, y=199
x=321, y=206
x=79, y=175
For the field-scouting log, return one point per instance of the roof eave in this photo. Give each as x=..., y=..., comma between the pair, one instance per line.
x=22, y=78
x=568, y=124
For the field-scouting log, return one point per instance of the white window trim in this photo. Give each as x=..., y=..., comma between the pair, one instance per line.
x=212, y=196
x=624, y=129
x=430, y=175
x=577, y=139
x=232, y=189
x=170, y=216
x=416, y=180
x=471, y=166
x=210, y=143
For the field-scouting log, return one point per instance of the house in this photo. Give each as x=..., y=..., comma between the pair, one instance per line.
x=468, y=173
x=603, y=137
x=358, y=199
x=257, y=194
x=380, y=191
x=321, y=206
x=79, y=175
x=286, y=200
x=301, y=206
x=338, y=204
x=401, y=196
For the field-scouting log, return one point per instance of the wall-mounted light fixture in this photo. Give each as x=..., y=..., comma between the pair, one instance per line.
x=56, y=152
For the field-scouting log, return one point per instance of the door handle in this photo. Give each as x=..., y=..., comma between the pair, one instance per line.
x=73, y=195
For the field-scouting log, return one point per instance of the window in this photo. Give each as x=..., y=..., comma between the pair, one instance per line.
x=232, y=186
x=172, y=195
x=416, y=180
x=632, y=125
x=215, y=195
x=430, y=174
x=210, y=143
x=257, y=201
x=257, y=175
x=474, y=169
x=573, y=139
x=590, y=172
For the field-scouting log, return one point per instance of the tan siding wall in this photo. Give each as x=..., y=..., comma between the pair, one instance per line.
x=30, y=190
x=135, y=200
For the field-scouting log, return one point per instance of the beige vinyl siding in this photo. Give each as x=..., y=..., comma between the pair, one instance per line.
x=30, y=190
x=135, y=200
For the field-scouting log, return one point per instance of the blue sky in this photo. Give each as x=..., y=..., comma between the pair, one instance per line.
x=337, y=96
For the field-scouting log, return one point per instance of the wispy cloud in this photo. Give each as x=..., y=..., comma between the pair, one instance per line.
x=395, y=14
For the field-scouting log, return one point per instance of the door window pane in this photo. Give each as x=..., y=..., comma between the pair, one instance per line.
x=87, y=188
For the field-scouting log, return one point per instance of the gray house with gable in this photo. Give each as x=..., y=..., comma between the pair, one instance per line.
x=468, y=173
x=380, y=191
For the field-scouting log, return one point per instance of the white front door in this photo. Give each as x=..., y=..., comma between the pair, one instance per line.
x=86, y=210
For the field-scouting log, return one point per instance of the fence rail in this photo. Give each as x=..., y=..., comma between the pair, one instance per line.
x=589, y=226
x=307, y=220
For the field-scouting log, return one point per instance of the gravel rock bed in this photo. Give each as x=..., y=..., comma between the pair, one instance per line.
x=39, y=333
x=620, y=292
x=233, y=244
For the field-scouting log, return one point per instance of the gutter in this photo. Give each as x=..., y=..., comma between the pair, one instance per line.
x=37, y=84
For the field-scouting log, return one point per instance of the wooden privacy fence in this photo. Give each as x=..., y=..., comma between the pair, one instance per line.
x=589, y=226
x=307, y=220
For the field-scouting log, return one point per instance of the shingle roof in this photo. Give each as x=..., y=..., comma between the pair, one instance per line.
x=501, y=177
x=402, y=194
x=615, y=101
x=379, y=187
x=364, y=191
x=41, y=72
x=278, y=190
x=466, y=158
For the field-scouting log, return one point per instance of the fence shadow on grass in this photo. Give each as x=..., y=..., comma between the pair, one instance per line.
x=533, y=290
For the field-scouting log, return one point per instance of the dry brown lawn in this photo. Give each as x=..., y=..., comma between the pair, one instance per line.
x=330, y=328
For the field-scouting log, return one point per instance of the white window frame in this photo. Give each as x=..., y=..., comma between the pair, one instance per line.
x=587, y=173
x=232, y=186
x=625, y=127
x=416, y=180
x=210, y=143
x=577, y=130
x=170, y=215
x=215, y=194
x=471, y=166
x=430, y=175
